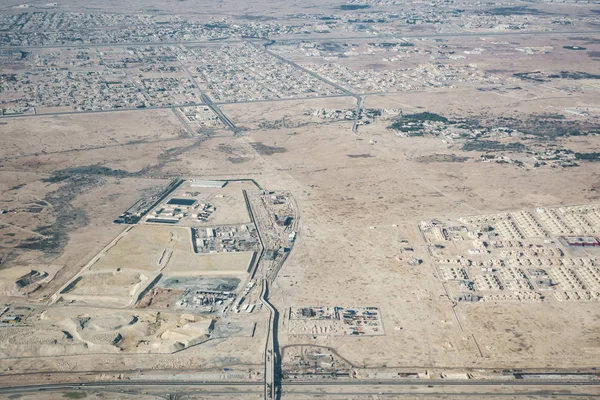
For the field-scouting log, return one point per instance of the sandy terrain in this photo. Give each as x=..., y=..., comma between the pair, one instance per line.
x=361, y=196
x=341, y=197
x=144, y=248
x=108, y=289
x=76, y=134
x=75, y=221
x=188, y=264
x=416, y=315
x=76, y=330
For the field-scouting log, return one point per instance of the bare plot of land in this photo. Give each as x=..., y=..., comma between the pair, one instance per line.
x=511, y=333
x=189, y=264
x=159, y=297
x=74, y=133
x=285, y=115
x=105, y=289
x=145, y=248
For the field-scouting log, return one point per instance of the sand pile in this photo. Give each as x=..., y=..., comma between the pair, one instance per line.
x=22, y=280
x=85, y=330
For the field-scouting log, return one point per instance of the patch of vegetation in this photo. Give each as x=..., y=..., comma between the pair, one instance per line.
x=419, y=117
x=352, y=7
x=441, y=158
x=95, y=170
x=593, y=157
x=548, y=126
x=551, y=116
x=402, y=128
x=225, y=148
x=577, y=75
x=413, y=123
x=424, y=116
x=67, y=219
x=521, y=10
x=265, y=150
x=216, y=25
x=359, y=155
x=492, y=145
x=538, y=76
x=530, y=76
x=75, y=395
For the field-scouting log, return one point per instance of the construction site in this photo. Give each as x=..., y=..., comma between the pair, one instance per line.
x=167, y=280
x=335, y=321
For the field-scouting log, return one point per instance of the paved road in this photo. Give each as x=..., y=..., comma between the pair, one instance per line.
x=118, y=44
x=364, y=384
x=184, y=122
x=308, y=71
x=310, y=37
x=414, y=395
x=440, y=382
x=440, y=34
x=99, y=111
x=272, y=355
x=226, y=121
x=218, y=103
x=121, y=384
x=347, y=92
x=359, y=102
x=208, y=101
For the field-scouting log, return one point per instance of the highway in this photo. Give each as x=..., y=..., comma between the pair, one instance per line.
x=121, y=384
x=299, y=38
x=287, y=386
x=412, y=394
x=206, y=101
x=271, y=384
x=272, y=356
x=443, y=382
x=440, y=34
